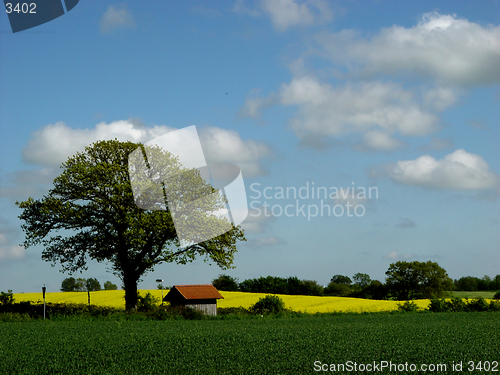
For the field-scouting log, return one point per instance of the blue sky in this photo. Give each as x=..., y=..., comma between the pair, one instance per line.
x=401, y=97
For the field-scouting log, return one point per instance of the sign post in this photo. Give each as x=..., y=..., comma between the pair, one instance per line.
x=161, y=281
x=43, y=292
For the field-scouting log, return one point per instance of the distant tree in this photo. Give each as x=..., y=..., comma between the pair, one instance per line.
x=413, y=280
x=467, y=283
x=160, y=286
x=92, y=285
x=80, y=285
x=341, y=279
x=311, y=288
x=93, y=204
x=226, y=283
x=68, y=284
x=496, y=282
x=485, y=283
x=362, y=279
x=6, y=298
x=293, y=286
x=108, y=285
x=336, y=289
x=377, y=290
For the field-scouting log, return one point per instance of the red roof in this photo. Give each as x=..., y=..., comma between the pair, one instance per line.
x=203, y=291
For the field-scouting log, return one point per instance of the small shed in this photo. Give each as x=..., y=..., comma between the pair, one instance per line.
x=198, y=297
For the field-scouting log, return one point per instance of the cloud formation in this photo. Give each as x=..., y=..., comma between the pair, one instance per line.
x=443, y=48
x=9, y=250
x=53, y=144
x=116, y=18
x=393, y=255
x=375, y=109
x=459, y=170
x=285, y=14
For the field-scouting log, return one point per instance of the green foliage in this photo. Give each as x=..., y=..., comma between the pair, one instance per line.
x=341, y=279
x=478, y=304
x=226, y=283
x=68, y=284
x=280, y=285
x=472, y=283
x=147, y=303
x=461, y=305
x=108, y=285
x=408, y=306
x=93, y=203
x=415, y=280
x=80, y=284
x=362, y=280
x=268, y=305
x=497, y=295
x=71, y=284
x=92, y=285
x=14, y=317
x=336, y=289
x=310, y=288
x=6, y=298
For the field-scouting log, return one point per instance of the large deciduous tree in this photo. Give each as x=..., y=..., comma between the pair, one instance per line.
x=91, y=214
x=413, y=280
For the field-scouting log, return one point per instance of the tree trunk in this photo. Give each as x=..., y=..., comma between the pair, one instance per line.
x=130, y=284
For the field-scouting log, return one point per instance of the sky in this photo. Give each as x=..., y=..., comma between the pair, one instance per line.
x=367, y=132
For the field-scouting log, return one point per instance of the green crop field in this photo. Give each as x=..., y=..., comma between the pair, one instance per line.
x=465, y=294
x=250, y=346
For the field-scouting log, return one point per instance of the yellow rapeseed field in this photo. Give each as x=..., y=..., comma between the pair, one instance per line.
x=310, y=304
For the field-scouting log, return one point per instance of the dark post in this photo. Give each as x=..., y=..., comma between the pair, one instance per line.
x=161, y=281
x=43, y=293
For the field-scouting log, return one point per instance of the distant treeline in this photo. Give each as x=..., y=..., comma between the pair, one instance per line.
x=339, y=286
x=404, y=281
x=471, y=283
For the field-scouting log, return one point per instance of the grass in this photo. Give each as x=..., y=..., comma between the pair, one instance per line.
x=253, y=346
x=477, y=294
x=310, y=304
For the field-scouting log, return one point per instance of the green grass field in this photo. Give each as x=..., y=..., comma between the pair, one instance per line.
x=249, y=346
x=485, y=295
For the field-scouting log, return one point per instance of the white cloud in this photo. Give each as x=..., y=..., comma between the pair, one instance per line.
x=11, y=252
x=381, y=141
x=459, y=170
x=288, y=13
x=53, y=144
x=115, y=18
x=395, y=255
x=256, y=220
x=254, y=106
x=442, y=47
x=327, y=110
x=440, y=98
x=221, y=145
x=8, y=250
